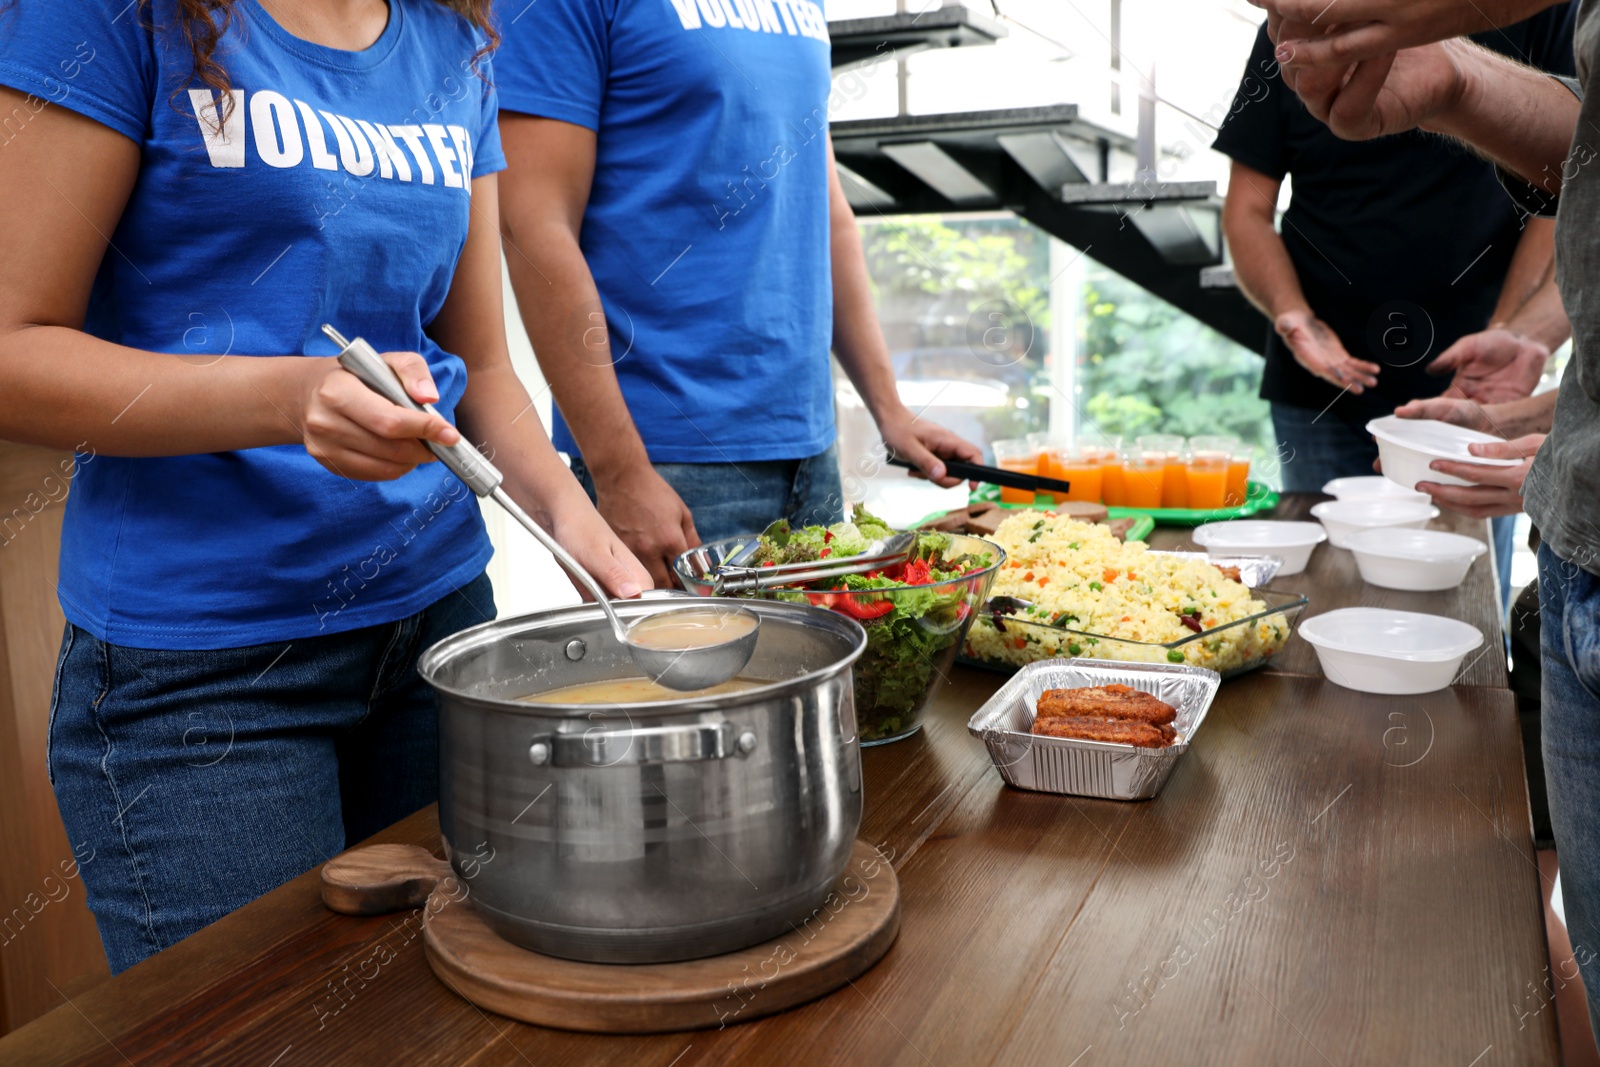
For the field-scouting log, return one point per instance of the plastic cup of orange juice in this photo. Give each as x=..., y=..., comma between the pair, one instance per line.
x=1020, y=456
x=1175, y=482
x=1142, y=476
x=1208, y=479
x=1236, y=484
x=1107, y=448
x=1080, y=466
x=1113, y=480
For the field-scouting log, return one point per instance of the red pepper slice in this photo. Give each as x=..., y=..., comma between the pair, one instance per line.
x=822, y=600
x=863, y=609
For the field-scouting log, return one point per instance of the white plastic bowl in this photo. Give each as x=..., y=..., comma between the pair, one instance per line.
x=1341, y=518
x=1397, y=653
x=1419, y=560
x=1291, y=542
x=1372, y=485
x=1407, y=446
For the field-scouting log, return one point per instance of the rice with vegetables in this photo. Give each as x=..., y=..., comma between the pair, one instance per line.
x=1096, y=597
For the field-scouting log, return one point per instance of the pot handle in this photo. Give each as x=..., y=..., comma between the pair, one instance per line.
x=644, y=745
x=378, y=879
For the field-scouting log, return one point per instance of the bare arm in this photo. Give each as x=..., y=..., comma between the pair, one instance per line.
x=859, y=345
x=494, y=409
x=1266, y=275
x=1261, y=263
x=63, y=188
x=545, y=192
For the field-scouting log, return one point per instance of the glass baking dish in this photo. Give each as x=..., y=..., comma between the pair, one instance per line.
x=1004, y=637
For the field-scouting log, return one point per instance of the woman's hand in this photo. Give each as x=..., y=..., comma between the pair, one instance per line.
x=356, y=433
x=1495, y=490
x=1317, y=349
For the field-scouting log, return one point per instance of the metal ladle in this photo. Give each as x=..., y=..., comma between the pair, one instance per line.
x=683, y=669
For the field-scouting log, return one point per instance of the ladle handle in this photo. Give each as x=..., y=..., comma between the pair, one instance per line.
x=466, y=462
x=361, y=359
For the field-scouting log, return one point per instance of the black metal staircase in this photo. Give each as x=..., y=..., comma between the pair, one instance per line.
x=859, y=41
x=1071, y=178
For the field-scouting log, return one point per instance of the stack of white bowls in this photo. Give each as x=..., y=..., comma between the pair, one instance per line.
x=1341, y=518
x=1291, y=542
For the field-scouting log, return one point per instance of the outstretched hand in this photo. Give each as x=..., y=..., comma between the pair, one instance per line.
x=1317, y=348
x=1492, y=366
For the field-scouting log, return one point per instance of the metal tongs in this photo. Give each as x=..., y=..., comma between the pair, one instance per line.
x=731, y=576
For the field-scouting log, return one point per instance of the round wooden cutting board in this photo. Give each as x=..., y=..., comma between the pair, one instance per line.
x=845, y=936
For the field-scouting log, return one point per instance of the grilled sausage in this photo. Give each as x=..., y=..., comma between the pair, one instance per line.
x=1116, y=731
x=1105, y=702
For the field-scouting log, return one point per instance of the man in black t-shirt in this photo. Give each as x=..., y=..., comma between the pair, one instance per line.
x=1397, y=257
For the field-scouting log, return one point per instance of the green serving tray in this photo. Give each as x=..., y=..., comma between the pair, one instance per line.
x=1258, y=497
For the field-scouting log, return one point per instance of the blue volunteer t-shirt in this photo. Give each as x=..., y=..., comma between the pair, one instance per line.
x=707, y=224
x=336, y=191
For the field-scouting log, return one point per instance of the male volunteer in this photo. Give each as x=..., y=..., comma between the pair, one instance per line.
x=1394, y=255
x=684, y=257
x=1392, y=65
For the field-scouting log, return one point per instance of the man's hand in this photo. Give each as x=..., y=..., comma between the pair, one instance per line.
x=649, y=517
x=1317, y=349
x=1495, y=490
x=1492, y=366
x=1453, y=410
x=1349, y=31
x=1391, y=93
x=925, y=444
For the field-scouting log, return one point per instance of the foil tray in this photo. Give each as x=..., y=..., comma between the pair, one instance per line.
x=1089, y=768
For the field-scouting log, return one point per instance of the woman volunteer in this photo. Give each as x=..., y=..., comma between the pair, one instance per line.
x=256, y=548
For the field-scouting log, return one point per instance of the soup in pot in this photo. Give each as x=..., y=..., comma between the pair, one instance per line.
x=689, y=629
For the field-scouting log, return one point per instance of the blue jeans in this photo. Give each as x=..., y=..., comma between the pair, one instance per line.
x=191, y=783
x=1569, y=642
x=728, y=499
x=1314, y=449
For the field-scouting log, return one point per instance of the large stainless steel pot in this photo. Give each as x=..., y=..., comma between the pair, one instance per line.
x=646, y=832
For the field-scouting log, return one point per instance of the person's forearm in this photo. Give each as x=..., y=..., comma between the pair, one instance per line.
x=494, y=415
x=1529, y=269
x=67, y=389
x=1518, y=418
x=1261, y=265
x=562, y=313
x=1518, y=117
x=1542, y=316
x=858, y=340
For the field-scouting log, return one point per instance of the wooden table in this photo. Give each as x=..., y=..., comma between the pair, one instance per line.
x=1328, y=878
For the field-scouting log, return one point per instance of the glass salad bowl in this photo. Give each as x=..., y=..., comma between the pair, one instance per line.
x=914, y=627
